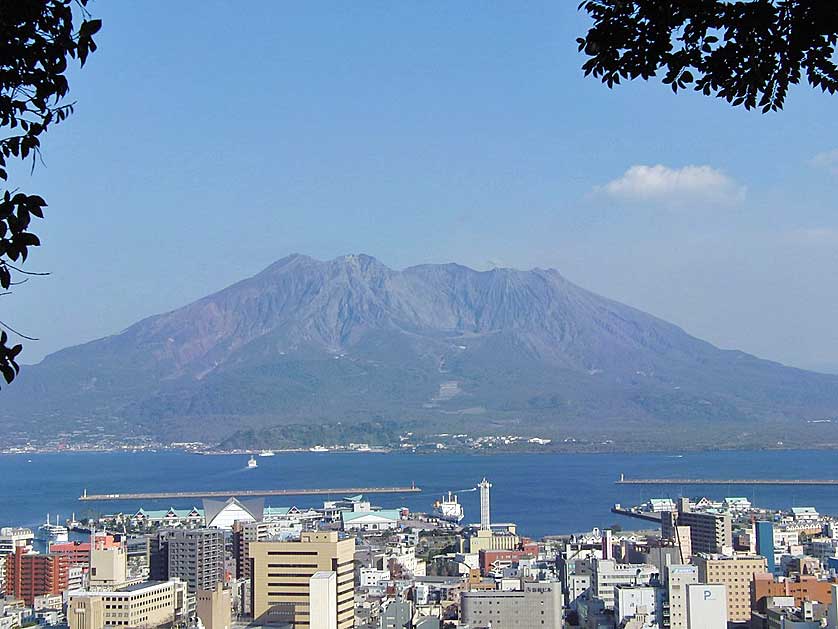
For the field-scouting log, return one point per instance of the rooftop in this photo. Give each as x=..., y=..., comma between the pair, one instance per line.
x=384, y=514
x=136, y=587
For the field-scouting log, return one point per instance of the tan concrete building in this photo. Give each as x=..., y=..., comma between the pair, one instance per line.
x=684, y=542
x=108, y=567
x=243, y=534
x=281, y=573
x=489, y=540
x=215, y=607
x=149, y=604
x=737, y=573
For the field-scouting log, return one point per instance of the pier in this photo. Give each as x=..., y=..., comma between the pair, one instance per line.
x=172, y=495
x=640, y=515
x=725, y=481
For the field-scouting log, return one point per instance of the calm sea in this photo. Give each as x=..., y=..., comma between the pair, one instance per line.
x=543, y=493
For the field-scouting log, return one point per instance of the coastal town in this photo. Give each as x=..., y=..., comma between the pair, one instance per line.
x=418, y=315
x=237, y=562
x=408, y=442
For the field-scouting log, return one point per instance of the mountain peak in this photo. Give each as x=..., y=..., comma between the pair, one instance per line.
x=351, y=338
x=291, y=260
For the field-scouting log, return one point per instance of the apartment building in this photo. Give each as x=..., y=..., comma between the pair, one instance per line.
x=243, y=534
x=31, y=575
x=195, y=556
x=709, y=532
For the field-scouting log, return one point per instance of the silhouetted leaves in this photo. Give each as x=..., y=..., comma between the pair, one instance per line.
x=36, y=39
x=747, y=53
x=8, y=364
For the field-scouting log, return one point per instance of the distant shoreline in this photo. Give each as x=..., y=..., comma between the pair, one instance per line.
x=443, y=452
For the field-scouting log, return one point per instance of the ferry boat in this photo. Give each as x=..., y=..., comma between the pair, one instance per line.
x=449, y=509
x=53, y=532
x=251, y=462
x=266, y=453
x=318, y=449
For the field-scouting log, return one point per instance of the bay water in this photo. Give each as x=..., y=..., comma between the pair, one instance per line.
x=543, y=493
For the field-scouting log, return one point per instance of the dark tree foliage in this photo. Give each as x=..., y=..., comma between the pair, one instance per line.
x=37, y=40
x=747, y=52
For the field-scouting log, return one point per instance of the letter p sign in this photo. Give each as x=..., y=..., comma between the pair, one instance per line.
x=707, y=594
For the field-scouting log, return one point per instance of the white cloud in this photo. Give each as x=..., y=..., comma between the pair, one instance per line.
x=828, y=160
x=674, y=187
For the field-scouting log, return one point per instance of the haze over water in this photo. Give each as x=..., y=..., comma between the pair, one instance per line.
x=544, y=494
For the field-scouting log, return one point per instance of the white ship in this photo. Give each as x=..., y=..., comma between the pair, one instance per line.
x=53, y=532
x=266, y=453
x=318, y=449
x=251, y=462
x=449, y=509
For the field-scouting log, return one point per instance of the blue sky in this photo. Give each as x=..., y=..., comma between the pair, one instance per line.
x=211, y=139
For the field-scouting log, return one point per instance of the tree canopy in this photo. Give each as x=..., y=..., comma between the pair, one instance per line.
x=37, y=40
x=746, y=52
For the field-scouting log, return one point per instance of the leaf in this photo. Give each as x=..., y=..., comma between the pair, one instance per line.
x=91, y=26
x=29, y=239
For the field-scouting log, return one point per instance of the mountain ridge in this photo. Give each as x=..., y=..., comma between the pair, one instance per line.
x=350, y=339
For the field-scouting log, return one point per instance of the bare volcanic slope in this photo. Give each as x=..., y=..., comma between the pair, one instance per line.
x=350, y=340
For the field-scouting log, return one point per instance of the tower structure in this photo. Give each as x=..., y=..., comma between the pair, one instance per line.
x=485, y=521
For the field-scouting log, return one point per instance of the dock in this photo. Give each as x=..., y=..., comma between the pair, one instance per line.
x=640, y=515
x=725, y=481
x=173, y=495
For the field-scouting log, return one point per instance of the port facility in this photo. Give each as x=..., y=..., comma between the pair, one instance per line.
x=725, y=481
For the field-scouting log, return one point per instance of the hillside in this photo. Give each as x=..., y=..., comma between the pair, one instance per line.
x=436, y=346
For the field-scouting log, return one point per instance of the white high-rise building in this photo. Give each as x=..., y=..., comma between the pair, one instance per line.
x=11, y=538
x=707, y=606
x=485, y=520
x=641, y=603
x=323, y=600
x=678, y=578
x=832, y=614
x=607, y=574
